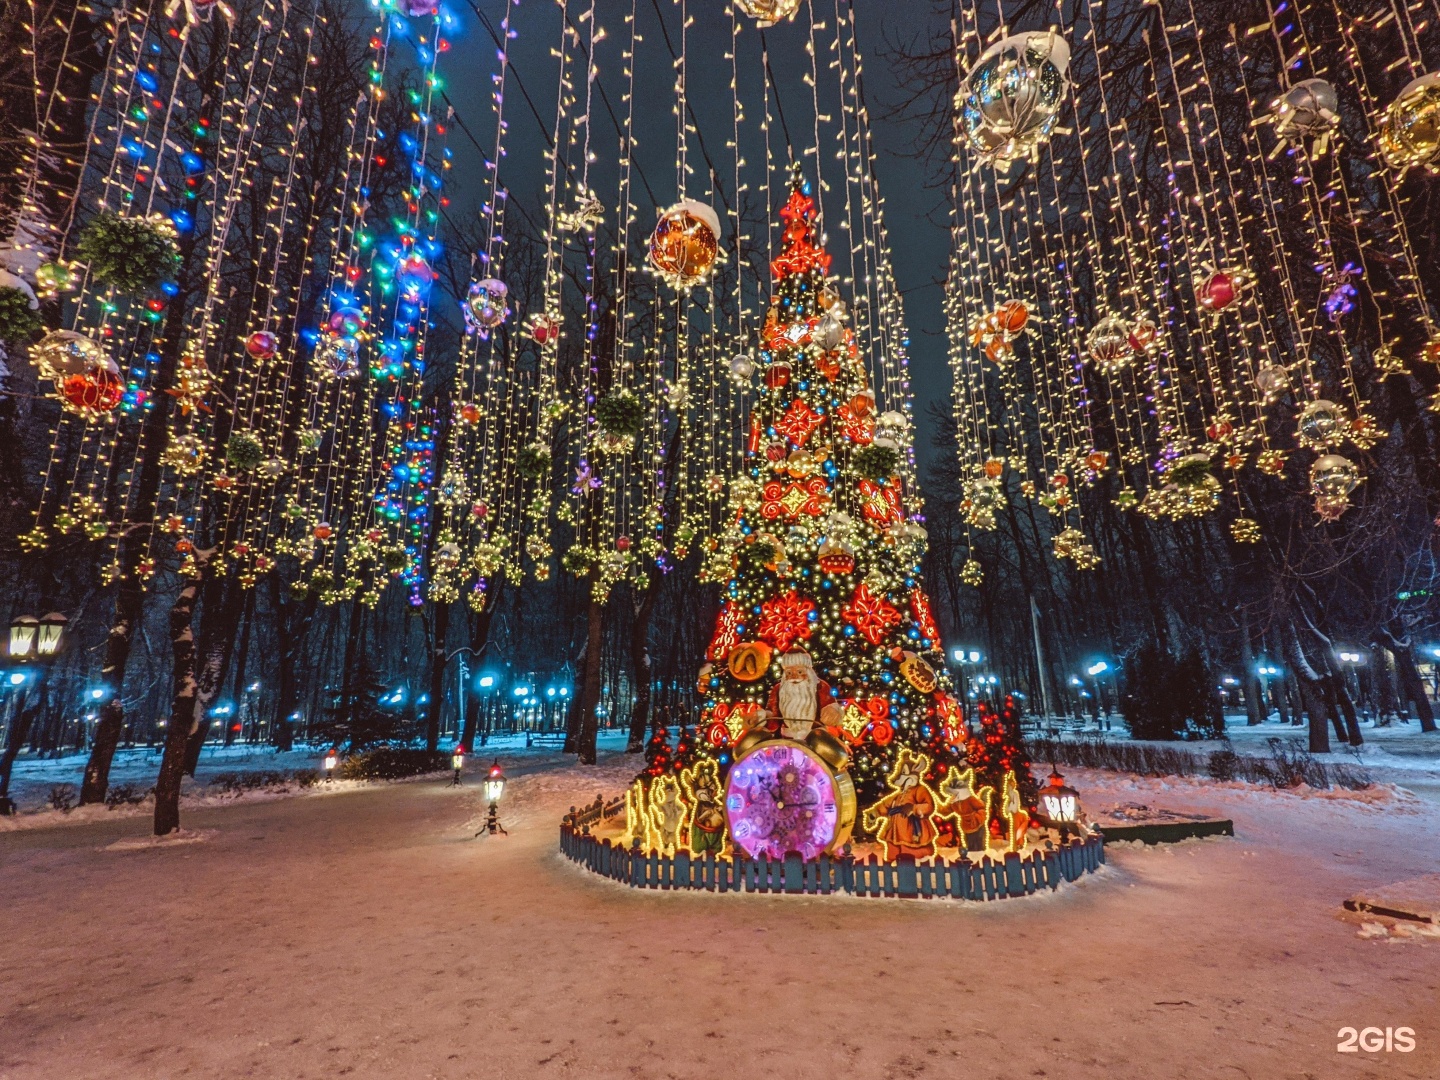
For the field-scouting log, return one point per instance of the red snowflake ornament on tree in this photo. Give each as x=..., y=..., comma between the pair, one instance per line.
x=858, y=429
x=785, y=620
x=789, y=501
x=881, y=503
x=727, y=632
x=798, y=422
x=871, y=615
x=924, y=617
x=798, y=251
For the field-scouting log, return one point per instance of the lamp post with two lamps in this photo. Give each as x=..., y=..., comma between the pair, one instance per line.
x=32, y=641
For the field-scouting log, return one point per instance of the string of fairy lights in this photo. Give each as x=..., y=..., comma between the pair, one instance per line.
x=1150, y=302
x=600, y=405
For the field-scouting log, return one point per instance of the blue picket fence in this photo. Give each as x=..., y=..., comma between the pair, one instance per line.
x=962, y=878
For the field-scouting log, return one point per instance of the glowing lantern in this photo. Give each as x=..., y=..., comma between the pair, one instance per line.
x=1057, y=805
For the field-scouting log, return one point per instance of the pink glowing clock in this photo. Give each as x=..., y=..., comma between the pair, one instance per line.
x=780, y=797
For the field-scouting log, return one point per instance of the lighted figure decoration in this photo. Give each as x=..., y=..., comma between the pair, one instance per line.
x=1308, y=110
x=1410, y=132
x=1332, y=479
x=704, y=825
x=800, y=695
x=486, y=306
x=1014, y=820
x=666, y=814
x=767, y=13
x=685, y=244
x=903, y=821
x=1011, y=99
x=781, y=796
x=967, y=805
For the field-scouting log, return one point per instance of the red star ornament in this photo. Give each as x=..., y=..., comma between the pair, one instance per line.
x=924, y=617
x=881, y=502
x=727, y=632
x=871, y=615
x=785, y=620
x=798, y=422
x=779, y=499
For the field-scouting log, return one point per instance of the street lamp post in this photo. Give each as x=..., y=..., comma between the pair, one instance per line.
x=32, y=641
x=494, y=788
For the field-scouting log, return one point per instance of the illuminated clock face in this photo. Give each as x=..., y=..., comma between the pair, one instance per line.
x=781, y=798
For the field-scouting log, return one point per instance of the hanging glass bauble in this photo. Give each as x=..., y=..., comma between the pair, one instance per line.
x=1308, y=110
x=891, y=425
x=418, y=9
x=346, y=321
x=742, y=367
x=185, y=454
x=1108, y=344
x=1011, y=99
x=1410, y=132
x=1143, y=334
x=53, y=278
x=1321, y=423
x=1333, y=475
x=1272, y=381
x=544, y=328
x=985, y=495
x=829, y=332
x=338, y=357
x=62, y=353
x=262, y=345
x=767, y=13
x=486, y=306
x=414, y=276
x=685, y=244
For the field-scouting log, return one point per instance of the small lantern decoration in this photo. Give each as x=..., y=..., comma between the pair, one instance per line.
x=685, y=244
x=457, y=762
x=1308, y=110
x=332, y=758
x=1410, y=131
x=1332, y=479
x=51, y=635
x=262, y=345
x=24, y=629
x=1058, y=805
x=494, y=784
x=1011, y=99
x=767, y=13
x=1108, y=344
x=486, y=306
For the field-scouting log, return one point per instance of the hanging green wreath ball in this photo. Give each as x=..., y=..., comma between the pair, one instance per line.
x=875, y=462
x=132, y=254
x=620, y=413
x=533, y=461
x=244, y=450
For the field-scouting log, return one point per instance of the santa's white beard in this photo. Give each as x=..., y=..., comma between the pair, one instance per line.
x=797, y=699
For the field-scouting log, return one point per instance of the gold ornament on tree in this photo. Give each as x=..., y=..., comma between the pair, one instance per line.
x=767, y=13
x=1410, y=132
x=685, y=244
x=1332, y=479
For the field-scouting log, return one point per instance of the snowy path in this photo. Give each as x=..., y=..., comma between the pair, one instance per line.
x=366, y=934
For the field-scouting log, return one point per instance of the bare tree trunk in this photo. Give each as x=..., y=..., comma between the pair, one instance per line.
x=1412, y=686
x=182, y=711
x=641, y=673
x=590, y=693
x=19, y=728
x=436, y=692
x=1250, y=679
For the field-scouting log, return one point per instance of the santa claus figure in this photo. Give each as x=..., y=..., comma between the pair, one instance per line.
x=799, y=695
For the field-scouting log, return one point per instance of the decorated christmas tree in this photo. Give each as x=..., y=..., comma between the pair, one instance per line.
x=825, y=635
x=997, y=753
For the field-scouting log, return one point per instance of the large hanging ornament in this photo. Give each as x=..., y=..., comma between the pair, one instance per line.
x=1011, y=99
x=486, y=306
x=544, y=328
x=1410, y=131
x=997, y=330
x=414, y=275
x=93, y=394
x=767, y=13
x=185, y=454
x=1272, y=381
x=337, y=357
x=685, y=244
x=262, y=345
x=829, y=332
x=62, y=353
x=130, y=254
x=1321, y=423
x=1108, y=344
x=742, y=367
x=1332, y=479
x=1308, y=110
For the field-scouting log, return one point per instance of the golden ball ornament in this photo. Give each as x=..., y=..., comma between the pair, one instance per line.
x=1108, y=344
x=685, y=244
x=1410, y=132
x=767, y=13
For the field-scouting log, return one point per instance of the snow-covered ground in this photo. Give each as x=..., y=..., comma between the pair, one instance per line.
x=370, y=934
